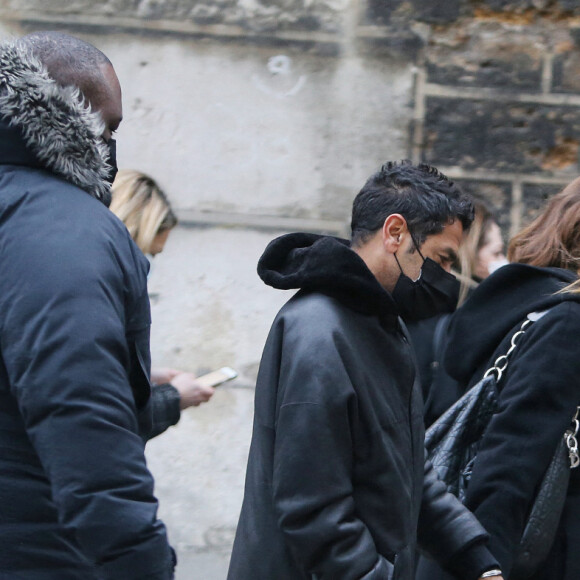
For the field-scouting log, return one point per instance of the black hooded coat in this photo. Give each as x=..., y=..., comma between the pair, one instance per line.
x=336, y=484
x=538, y=397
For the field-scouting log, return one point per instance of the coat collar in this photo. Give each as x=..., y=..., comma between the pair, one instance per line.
x=58, y=131
x=496, y=306
x=327, y=265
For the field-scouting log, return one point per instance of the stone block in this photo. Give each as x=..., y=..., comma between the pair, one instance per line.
x=476, y=58
x=400, y=45
x=381, y=12
x=206, y=565
x=566, y=72
x=503, y=137
x=384, y=12
x=509, y=5
x=535, y=197
x=528, y=9
x=497, y=194
x=570, y=6
x=436, y=11
x=519, y=6
x=259, y=131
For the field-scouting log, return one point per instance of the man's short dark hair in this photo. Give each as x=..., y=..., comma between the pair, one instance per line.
x=425, y=197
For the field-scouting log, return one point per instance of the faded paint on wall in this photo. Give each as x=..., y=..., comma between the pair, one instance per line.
x=250, y=131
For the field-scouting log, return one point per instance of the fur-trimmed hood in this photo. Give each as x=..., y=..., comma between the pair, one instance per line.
x=57, y=128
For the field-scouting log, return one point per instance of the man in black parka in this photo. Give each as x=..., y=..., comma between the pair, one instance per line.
x=76, y=497
x=337, y=487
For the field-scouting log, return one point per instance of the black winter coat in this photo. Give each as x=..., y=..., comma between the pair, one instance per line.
x=539, y=394
x=336, y=486
x=76, y=498
x=439, y=390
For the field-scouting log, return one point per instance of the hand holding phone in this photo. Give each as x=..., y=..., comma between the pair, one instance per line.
x=196, y=390
x=218, y=377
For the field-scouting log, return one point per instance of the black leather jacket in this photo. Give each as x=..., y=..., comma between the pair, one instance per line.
x=337, y=485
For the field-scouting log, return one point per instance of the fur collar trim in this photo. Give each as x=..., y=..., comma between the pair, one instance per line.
x=63, y=134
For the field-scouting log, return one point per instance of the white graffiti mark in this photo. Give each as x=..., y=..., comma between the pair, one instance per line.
x=280, y=66
x=260, y=84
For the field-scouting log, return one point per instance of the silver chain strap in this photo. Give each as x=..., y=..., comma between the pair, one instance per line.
x=572, y=442
x=501, y=362
x=499, y=367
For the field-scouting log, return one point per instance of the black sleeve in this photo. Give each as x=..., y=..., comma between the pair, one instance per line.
x=450, y=533
x=165, y=409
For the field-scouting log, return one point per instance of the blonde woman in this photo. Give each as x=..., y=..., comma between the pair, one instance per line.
x=482, y=251
x=144, y=208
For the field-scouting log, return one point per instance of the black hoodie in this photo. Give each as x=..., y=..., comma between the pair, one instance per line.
x=336, y=484
x=539, y=393
x=309, y=261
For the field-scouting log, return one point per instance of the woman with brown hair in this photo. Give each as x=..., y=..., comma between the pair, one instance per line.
x=539, y=391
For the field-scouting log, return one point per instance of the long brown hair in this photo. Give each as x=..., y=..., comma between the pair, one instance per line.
x=553, y=238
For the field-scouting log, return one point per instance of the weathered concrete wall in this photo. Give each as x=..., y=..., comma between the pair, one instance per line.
x=250, y=140
x=265, y=116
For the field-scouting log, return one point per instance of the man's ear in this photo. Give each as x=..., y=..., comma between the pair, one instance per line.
x=394, y=230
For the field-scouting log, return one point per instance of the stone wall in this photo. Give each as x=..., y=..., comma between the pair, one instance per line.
x=497, y=105
x=260, y=117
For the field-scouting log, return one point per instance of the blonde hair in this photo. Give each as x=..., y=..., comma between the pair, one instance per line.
x=553, y=238
x=475, y=239
x=142, y=206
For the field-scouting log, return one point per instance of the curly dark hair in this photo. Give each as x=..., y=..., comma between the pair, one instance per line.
x=427, y=199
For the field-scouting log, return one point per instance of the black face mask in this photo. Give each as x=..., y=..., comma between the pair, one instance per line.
x=112, y=147
x=436, y=291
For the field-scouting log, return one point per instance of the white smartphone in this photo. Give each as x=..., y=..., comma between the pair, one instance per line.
x=218, y=377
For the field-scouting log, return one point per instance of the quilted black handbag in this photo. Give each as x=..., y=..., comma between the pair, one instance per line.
x=452, y=443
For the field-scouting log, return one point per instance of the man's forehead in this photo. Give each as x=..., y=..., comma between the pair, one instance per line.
x=451, y=231
x=450, y=238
